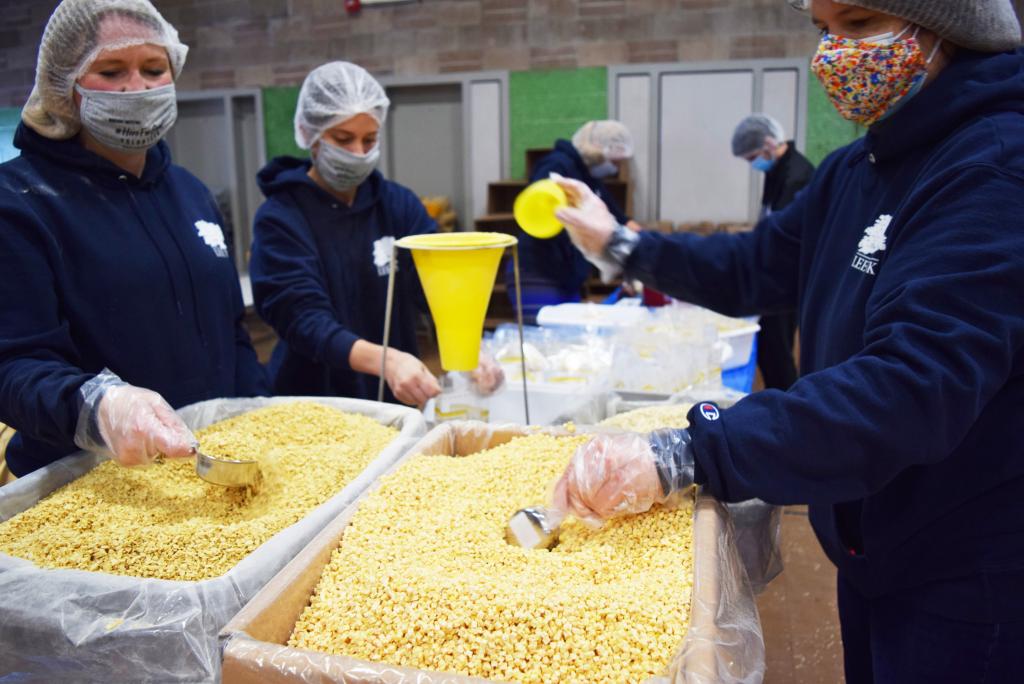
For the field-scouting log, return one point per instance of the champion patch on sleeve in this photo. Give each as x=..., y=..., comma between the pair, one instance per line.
x=709, y=411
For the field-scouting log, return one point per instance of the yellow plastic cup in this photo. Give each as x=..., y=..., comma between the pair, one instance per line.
x=535, y=208
x=457, y=271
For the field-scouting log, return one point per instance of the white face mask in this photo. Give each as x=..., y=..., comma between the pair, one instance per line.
x=128, y=122
x=890, y=37
x=344, y=170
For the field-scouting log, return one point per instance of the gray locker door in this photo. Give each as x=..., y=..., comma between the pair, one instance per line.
x=423, y=145
x=699, y=178
x=682, y=117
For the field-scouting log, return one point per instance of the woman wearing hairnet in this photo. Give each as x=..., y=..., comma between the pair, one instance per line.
x=321, y=254
x=552, y=270
x=113, y=267
x=905, y=260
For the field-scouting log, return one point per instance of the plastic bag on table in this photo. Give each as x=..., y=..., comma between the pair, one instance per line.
x=60, y=625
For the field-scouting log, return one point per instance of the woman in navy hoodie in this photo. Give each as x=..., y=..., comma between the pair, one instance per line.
x=322, y=251
x=905, y=260
x=113, y=267
x=553, y=271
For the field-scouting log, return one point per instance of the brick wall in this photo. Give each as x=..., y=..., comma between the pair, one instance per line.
x=276, y=42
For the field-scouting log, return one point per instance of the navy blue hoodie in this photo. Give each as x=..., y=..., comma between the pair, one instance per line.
x=320, y=274
x=555, y=260
x=102, y=269
x=905, y=434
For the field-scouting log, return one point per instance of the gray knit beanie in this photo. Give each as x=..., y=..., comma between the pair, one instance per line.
x=983, y=25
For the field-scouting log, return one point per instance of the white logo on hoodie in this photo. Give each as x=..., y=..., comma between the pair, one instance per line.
x=873, y=242
x=213, y=236
x=382, y=255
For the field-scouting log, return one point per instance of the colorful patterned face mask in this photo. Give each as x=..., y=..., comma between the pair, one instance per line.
x=867, y=78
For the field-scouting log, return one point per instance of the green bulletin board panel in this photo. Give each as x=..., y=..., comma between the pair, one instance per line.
x=9, y=119
x=827, y=131
x=551, y=104
x=278, y=121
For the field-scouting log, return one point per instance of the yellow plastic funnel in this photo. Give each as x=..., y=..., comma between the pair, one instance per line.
x=535, y=208
x=458, y=271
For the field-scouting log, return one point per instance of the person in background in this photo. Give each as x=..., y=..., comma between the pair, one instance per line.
x=905, y=260
x=552, y=270
x=113, y=264
x=322, y=248
x=760, y=140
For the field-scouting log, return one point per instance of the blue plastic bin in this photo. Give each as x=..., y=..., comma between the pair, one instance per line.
x=742, y=378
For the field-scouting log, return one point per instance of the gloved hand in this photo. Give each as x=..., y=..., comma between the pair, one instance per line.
x=587, y=219
x=593, y=229
x=132, y=424
x=488, y=376
x=624, y=474
x=410, y=380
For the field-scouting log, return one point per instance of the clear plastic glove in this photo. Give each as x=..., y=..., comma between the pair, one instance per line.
x=488, y=376
x=624, y=474
x=409, y=379
x=587, y=219
x=132, y=424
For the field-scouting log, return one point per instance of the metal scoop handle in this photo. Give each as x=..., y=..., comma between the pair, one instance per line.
x=534, y=528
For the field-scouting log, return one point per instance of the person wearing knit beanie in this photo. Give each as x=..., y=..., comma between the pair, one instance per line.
x=983, y=25
x=903, y=259
x=876, y=55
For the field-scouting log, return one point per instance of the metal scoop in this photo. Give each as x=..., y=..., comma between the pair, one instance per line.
x=227, y=472
x=534, y=528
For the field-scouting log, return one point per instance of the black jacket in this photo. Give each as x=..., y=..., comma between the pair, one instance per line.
x=791, y=174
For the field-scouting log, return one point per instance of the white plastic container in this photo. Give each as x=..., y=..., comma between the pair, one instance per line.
x=741, y=341
x=590, y=316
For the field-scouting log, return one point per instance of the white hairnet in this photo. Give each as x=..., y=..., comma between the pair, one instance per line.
x=752, y=132
x=333, y=93
x=78, y=30
x=598, y=141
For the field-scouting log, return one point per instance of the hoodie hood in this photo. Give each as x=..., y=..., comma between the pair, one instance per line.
x=290, y=175
x=567, y=148
x=973, y=85
x=71, y=153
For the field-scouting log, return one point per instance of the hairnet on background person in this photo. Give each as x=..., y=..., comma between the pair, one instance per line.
x=333, y=93
x=982, y=25
x=76, y=33
x=598, y=141
x=751, y=133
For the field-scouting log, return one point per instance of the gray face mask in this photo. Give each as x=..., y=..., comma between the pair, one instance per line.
x=344, y=170
x=128, y=122
x=604, y=170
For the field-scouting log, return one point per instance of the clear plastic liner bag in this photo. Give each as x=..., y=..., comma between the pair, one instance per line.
x=758, y=530
x=72, y=625
x=724, y=644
